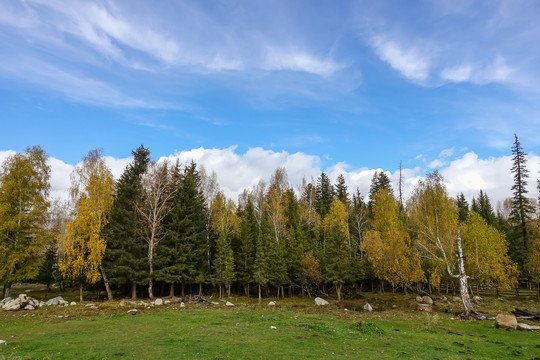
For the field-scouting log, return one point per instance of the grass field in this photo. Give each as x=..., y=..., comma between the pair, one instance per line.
x=302, y=331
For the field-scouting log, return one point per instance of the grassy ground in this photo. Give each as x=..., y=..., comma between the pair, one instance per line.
x=302, y=331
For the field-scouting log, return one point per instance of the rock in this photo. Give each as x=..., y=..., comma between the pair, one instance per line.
x=272, y=303
x=427, y=300
x=41, y=303
x=182, y=305
x=321, y=302
x=424, y=307
x=167, y=302
x=521, y=326
x=29, y=307
x=368, y=307
x=73, y=303
x=56, y=301
x=6, y=300
x=477, y=299
x=444, y=299
x=91, y=306
x=228, y=303
x=273, y=327
x=394, y=306
x=419, y=299
x=456, y=299
x=506, y=322
x=12, y=305
x=214, y=303
x=133, y=311
x=3, y=342
x=158, y=302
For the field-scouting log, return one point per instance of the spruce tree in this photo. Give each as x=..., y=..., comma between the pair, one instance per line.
x=181, y=257
x=463, y=207
x=521, y=207
x=324, y=195
x=341, y=190
x=482, y=206
x=246, y=246
x=379, y=181
x=125, y=259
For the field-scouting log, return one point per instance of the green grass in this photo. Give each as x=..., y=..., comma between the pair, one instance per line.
x=303, y=331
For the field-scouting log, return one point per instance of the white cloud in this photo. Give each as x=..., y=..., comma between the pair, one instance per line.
x=457, y=74
x=282, y=59
x=435, y=164
x=410, y=61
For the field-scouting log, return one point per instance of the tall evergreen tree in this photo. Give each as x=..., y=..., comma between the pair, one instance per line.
x=246, y=246
x=521, y=207
x=324, y=195
x=482, y=206
x=341, y=189
x=125, y=257
x=463, y=207
x=379, y=181
x=181, y=257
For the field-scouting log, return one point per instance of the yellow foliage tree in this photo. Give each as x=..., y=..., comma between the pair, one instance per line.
x=388, y=246
x=92, y=192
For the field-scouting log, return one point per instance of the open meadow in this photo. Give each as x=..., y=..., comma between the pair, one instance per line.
x=294, y=328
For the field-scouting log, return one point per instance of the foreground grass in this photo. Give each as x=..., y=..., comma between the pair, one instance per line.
x=302, y=331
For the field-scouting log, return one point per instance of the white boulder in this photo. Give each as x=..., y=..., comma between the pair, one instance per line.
x=321, y=302
x=368, y=307
x=228, y=303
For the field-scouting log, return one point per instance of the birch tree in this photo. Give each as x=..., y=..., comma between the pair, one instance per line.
x=153, y=205
x=92, y=192
x=24, y=188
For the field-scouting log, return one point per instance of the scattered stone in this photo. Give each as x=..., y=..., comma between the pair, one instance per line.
x=166, y=302
x=228, y=303
x=41, y=303
x=214, y=303
x=73, y=303
x=182, y=305
x=133, y=311
x=91, y=306
x=321, y=302
x=477, y=299
x=345, y=309
x=368, y=307
x=12, y=305
x=272, y=303
x=6, y=300
x=456, y=299
x=427, y=300
x=444, y=299
x=29, y=307
x=57, y=301
x=158, y=302
x=419, y=299
x=506, y=322
x=394, y=306
x=424, y=307
x=273, y=327
x=196, y=299
x=500, y=299
x=521, y=326
x=3, y=342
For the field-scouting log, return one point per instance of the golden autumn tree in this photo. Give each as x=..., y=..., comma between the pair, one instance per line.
x=92, y=192
x=338, y=261
x=388, y=246
x=226, y=224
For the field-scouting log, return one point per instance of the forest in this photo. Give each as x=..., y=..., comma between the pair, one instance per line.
x=167, y=229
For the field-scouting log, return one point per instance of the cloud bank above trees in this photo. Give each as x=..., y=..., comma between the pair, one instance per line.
x=238, y=171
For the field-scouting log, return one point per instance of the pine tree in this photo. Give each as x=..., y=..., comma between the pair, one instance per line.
x=125, y=259
x=379, y=181
x=482, y=206
x=181, y=255
x=463, y=207
x=324, y=195
x=341, y=190
x=521, y=207
x=246, y=246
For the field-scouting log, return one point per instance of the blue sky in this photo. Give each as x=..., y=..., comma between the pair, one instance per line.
x=355, y=84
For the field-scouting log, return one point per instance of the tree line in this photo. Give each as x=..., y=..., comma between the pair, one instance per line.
x=169, y=225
